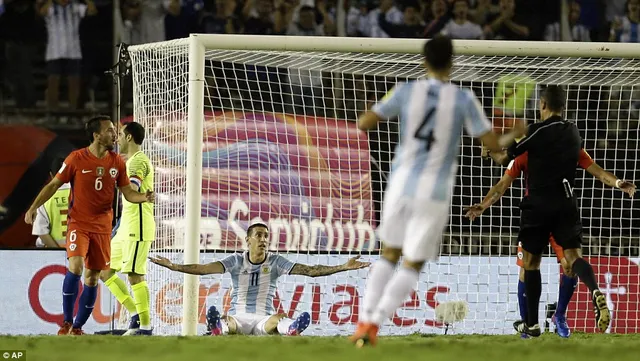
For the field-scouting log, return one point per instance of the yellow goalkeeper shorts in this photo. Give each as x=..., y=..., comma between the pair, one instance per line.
x=129, y=255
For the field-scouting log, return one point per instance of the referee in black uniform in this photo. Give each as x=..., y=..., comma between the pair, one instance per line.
x=553, y=146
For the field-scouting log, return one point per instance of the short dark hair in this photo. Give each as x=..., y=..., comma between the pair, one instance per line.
x=438, y=52
x=555, y=97
x=93, y=125
x=254, y=226
x=136, y=130
x=56, y=164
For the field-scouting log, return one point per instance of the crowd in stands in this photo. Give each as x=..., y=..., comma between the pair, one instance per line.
x=53, y=45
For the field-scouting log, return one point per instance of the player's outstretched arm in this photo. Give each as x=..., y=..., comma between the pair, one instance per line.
x=500, y=157
x=47, y=192
x=611, y=180
x=133, y=196
x=194, y=269
x=494, y=194
x=496, y=143
x=321, y=270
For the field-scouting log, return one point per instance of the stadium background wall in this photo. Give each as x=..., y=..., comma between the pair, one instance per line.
x=32, y=293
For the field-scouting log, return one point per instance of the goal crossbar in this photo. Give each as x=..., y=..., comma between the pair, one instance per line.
x=404, y=46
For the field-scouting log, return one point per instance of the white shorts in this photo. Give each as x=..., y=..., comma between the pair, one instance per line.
x=413, y=225
x=250, y=324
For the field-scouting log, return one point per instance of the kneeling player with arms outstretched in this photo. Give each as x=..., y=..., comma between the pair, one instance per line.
x=254, y=275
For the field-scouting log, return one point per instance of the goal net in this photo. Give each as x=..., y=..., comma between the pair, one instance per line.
x=280, y=144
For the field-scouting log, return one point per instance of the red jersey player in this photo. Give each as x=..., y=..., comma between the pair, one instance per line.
x=568, y=280
x=94, y=173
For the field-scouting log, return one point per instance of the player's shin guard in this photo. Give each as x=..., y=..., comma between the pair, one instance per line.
x=141, y=297
x=533, y=286
x=119, y=289
x=395, y=293
x=85, y=307
x=69, y=295
x=567, y=288
x=584, y=271
x=522, y=300
x=379, y=275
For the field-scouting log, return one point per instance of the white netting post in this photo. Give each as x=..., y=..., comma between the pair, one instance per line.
x=193, y=205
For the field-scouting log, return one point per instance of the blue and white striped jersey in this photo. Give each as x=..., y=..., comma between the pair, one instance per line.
x=254, y=285
x=432, y=116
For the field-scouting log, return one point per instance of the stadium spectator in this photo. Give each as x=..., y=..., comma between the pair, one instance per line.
x=625, y=29
x=507, y=25
x=22, y=31
x=358, y=19
x=259, y=19
x=392, y=14
x=51, y=218
x=411, y=26
x=578, y=32
x=223, y=19
x=187, y=21
x=437, y=20
x=63, y=53
x=460, y=27
x=143, y=21
x=482, y=11
x=306, y=24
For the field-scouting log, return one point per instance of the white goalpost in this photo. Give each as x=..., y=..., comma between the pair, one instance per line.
x=243, y=128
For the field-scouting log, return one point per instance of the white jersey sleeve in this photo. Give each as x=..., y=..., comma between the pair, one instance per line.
x=392, y=103
x=475, y=121
x=231, y=263
x=282, y=266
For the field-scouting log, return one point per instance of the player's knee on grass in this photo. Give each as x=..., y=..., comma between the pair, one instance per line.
x=271, y=326
x=391, y=254
x=91, y=277
x=76, y=264
x=135, y=278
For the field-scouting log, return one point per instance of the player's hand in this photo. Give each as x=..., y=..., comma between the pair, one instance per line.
x=151, y=197
x=30, y=216
x=519, y=128
x=353, y=263
x=485, y=153
x=628, y=188
x=161, y=261
x=474, y=211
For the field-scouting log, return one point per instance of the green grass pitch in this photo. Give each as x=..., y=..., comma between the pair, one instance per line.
x=237, y=348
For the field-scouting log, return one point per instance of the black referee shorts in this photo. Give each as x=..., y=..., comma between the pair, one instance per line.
x=536, y=223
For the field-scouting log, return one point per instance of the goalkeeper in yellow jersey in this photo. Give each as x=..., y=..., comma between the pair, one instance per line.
x=132, y=241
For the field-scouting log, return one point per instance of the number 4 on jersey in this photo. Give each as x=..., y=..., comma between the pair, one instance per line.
x=426, y=134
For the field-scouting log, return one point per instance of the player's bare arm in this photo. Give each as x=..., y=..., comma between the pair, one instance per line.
x=134, y=196
x=611, y=180
x=496, y=143
x=368, y=120
x=321, y=270
x=47, y=192
x=494, y=194
x=194, y=269
x=49, y=241
x=500, y=157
